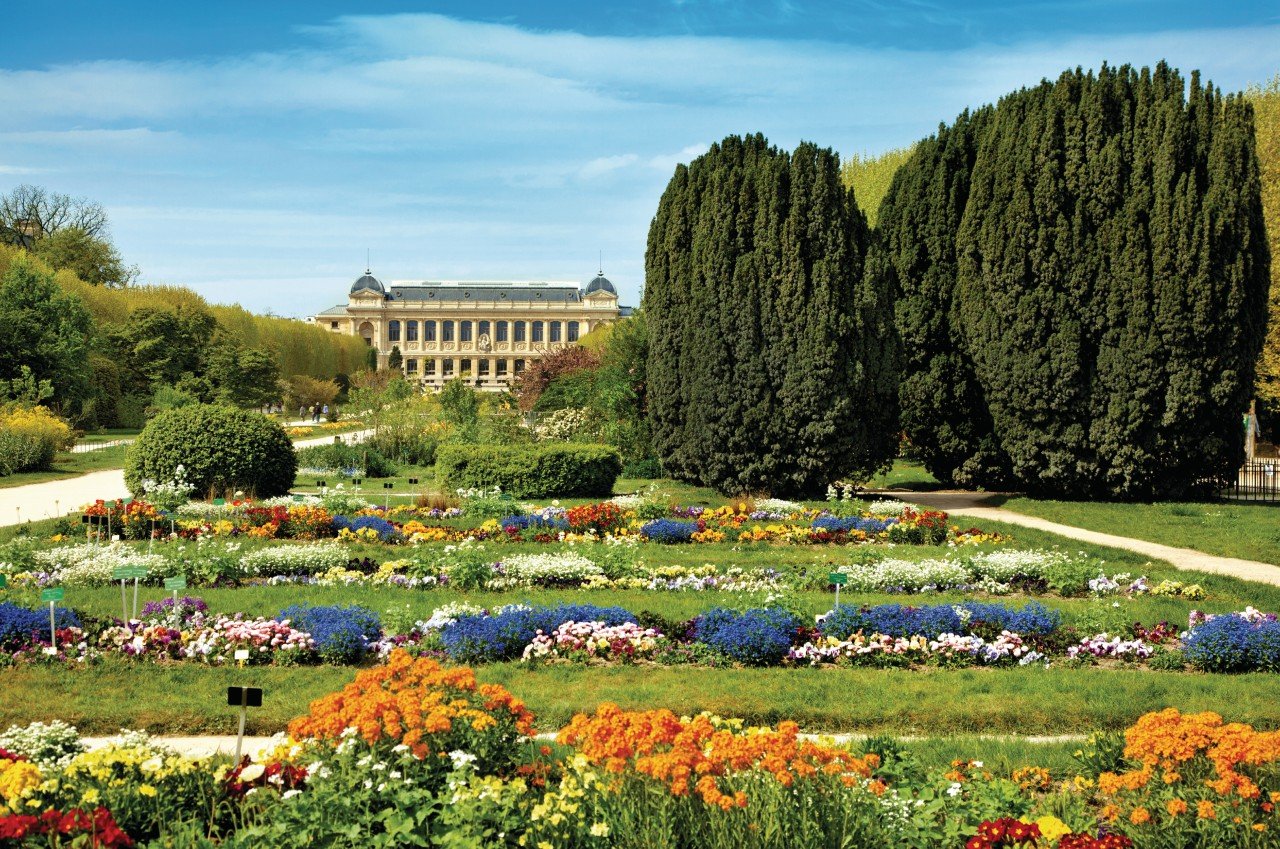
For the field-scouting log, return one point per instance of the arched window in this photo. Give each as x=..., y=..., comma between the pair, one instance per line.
x=537, y=331
x=428, y=331
x=411, y=331
x=447, y=366
x=501, y=328
x=393, y=331
x=555, y=331
x=464, y=331
x=429, y=368
x=446, y=331
x=573, y=331
x=519, y=329
x=483, y=329
x=411, y=366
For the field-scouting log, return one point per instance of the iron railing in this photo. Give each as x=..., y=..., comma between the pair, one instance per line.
x=1258, y=480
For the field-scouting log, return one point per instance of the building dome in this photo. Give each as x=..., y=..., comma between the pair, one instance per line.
x=368, y=283
x=601, y=284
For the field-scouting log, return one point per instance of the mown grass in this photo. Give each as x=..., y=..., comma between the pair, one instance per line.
x=906, y=475
x=1248, y=531
x=68, y=465
x=189, y=699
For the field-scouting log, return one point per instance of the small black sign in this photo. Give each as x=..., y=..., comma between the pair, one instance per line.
x=244, y=696
x=387, y=485
x=413, y=481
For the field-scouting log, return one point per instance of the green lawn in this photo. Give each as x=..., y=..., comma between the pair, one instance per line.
x=906, y=475
x=1248, y=531
x=68, y=465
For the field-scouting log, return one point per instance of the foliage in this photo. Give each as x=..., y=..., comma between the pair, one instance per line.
x=460, y=408
x=18, y=624
x=1234, y=643
x=1082, y=273
x=91, y=258
x=1266, y=114
x=543, y=371
x=870, y=177
x=535, y=471
x=359, y=460
x=772, y=359
x=221, y=450
x=45, y=330
x=29, y=438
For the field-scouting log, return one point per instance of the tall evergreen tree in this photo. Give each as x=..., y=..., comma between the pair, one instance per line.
x=1108, y=292
x=772, y=353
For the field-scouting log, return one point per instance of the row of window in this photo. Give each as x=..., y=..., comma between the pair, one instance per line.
x=517, y=329
x=464, y=367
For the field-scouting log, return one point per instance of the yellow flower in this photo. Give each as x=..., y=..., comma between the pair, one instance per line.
x=599, y=829
x=1051, y=828
x=146, y=790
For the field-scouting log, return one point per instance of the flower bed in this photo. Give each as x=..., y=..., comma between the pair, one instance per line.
x=412, y=754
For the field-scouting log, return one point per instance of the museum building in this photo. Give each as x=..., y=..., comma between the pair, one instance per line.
x=489, y=331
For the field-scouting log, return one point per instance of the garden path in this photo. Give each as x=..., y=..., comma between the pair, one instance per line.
x=37, y=501
x=977, y=505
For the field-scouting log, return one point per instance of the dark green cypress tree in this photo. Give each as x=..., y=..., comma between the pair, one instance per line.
x=772, y=353
x=1108, y=292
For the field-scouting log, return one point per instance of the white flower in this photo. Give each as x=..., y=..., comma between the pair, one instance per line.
x=289, y=794
x=252, y=772
x=461, y=758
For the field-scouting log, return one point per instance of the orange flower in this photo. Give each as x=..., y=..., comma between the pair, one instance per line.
x=1140, y=816
x=1175, y=807
x=661, y=746
x=1205, y=810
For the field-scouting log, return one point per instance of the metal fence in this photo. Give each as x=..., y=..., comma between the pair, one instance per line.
x=87, y=447
x=1258, y=480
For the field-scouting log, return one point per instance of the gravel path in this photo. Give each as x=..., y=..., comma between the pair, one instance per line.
x=38, y=501
x=976, y=505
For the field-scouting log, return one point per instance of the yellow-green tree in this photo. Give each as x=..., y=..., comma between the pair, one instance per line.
x=1266, y=117
x=870, y=176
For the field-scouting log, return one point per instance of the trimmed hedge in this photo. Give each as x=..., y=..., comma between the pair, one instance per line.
x=221, y=450
x=531, y=471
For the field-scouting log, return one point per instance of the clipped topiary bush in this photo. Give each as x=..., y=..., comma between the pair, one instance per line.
x=221, y=450
x=531, y=471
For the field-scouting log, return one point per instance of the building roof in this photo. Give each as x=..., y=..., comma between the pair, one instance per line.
x=626, y=312
x=428, y=290
x=340, y=309
x=367, y=283
x=600, y=284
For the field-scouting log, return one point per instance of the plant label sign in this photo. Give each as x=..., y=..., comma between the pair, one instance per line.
x=52, y=594
x=128, y=573
x=838, y=578
x=241, y=655
x=243, y=698
x=4, y=581
x=178, y=583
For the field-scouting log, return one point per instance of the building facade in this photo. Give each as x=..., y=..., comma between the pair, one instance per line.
x=488, y=331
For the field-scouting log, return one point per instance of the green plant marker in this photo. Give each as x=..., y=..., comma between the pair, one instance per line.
x=4, y=581
x=839, y=579
x=124, y=574
x=175, y=584
x=53, y=596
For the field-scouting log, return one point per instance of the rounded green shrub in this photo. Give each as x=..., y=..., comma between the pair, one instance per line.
x=221, y=450
x=548, y=470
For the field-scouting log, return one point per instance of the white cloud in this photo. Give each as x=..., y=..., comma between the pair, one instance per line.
x=456, y=148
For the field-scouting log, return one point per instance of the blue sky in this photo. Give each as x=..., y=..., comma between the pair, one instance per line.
x=255, y=151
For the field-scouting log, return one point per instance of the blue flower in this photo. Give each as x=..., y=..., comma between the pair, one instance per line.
x=835, y=525
x=1231, y=643
x=669, y=530
x=384, y=529
x=503, y=636
x=757, y=637
x=341, y=634
x=19, y=627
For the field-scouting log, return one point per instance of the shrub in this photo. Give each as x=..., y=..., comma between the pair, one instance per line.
x=503, y=636
x=533, y=471
x=758, y=637
x=220, y=448
x=29, y=437
x=350, y=460
x=342, y=634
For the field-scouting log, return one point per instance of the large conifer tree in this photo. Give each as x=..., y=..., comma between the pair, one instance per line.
x=1100, y=298
x=772, y=353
